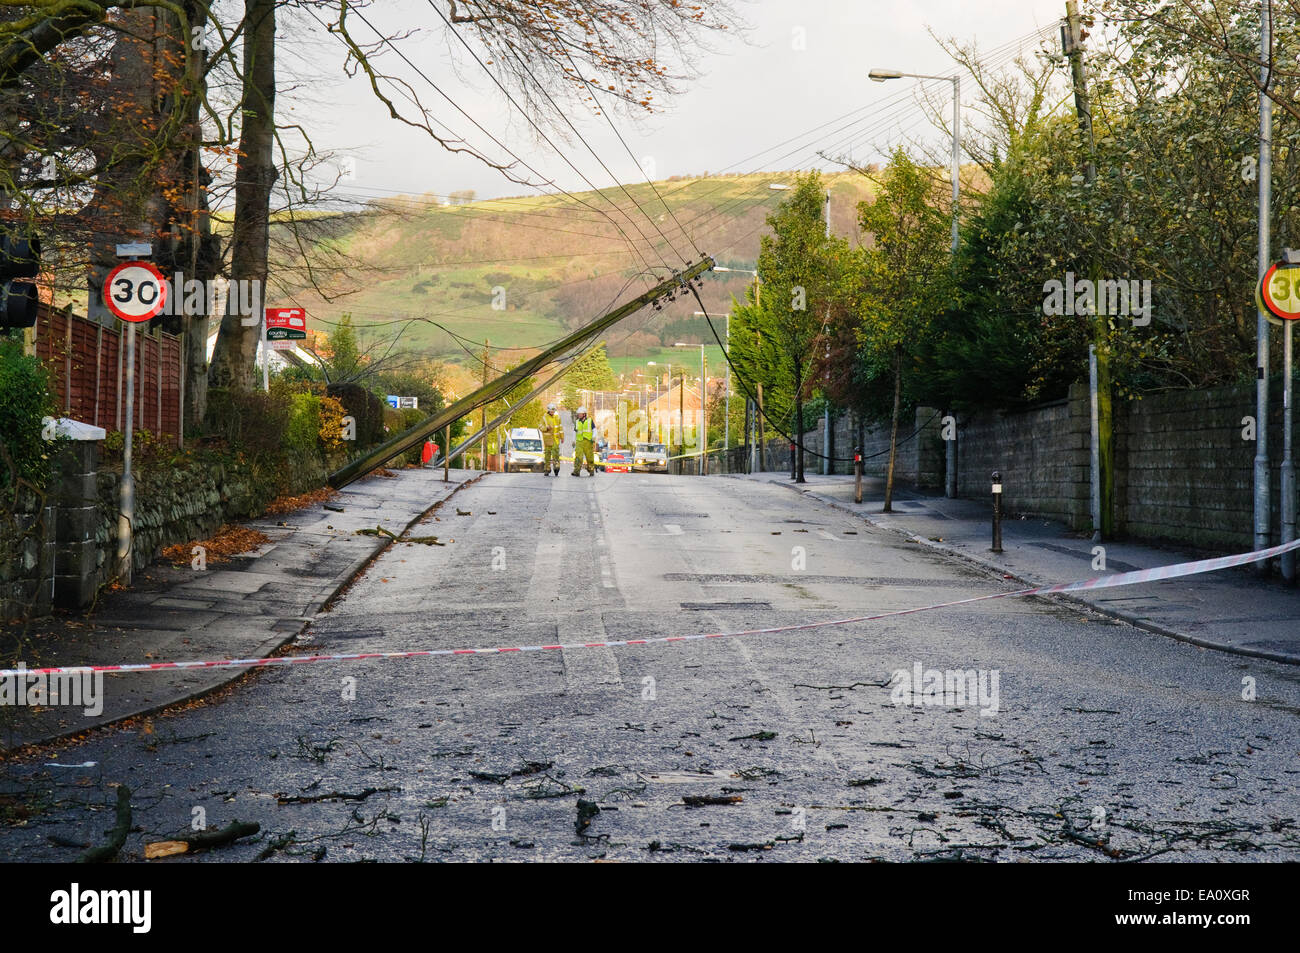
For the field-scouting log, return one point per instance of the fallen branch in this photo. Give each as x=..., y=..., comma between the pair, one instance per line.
x=333, y=796
x=117, y=836
x=203, y=840
x=707, y=800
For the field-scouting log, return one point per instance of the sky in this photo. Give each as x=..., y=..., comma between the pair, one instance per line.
x=801, y=64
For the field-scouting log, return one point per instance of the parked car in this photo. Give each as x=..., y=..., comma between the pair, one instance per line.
x=524, y=450
x=618, y=461
x=650, y=458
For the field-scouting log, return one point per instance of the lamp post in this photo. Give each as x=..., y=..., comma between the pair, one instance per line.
x=1262, y=504
x=882, y=75
x=703, y=430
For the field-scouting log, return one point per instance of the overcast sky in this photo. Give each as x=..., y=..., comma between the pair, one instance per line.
x=804, y=63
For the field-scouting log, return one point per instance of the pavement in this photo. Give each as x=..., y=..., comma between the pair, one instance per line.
x=249, y=607
x=1233, y=610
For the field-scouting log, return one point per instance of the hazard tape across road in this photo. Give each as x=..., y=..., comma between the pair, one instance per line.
x=1101, y=582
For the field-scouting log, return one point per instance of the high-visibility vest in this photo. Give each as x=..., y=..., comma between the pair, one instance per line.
x=584, y=430
x=552, y=429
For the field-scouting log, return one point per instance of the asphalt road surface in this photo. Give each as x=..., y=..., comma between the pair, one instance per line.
x=1092, y=740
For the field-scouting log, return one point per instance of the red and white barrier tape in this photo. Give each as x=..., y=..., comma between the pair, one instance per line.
x=1101, y=582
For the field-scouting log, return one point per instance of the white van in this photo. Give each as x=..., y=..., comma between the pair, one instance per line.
x=524, y=449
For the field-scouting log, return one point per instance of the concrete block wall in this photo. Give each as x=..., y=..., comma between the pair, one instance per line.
x=1184, y=471
x=1042, y=453
x=920, y=454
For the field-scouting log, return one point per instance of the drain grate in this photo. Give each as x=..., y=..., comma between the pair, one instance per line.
x=710, y=606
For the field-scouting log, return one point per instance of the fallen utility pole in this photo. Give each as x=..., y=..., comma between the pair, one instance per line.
x=376, y=458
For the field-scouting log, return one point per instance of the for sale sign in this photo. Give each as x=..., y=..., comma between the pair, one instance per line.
x=286, y=324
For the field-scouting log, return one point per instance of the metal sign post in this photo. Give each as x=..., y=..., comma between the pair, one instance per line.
x=1278, y=297
x=135, y=291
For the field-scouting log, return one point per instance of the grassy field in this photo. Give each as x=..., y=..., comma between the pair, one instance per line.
x=687, y=358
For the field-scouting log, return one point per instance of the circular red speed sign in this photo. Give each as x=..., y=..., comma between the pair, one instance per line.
x=1279, y=291
x=135, y=291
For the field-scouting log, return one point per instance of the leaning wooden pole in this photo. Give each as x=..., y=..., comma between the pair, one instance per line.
x=501, y=418
x=394, y=446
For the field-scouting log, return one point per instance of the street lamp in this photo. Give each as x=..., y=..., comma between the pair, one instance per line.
x=704, y=414
x=882, y=75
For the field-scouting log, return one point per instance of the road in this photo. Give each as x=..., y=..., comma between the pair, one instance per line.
x=1097, y=740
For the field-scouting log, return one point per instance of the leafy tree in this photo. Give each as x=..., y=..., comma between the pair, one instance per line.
x=775, y=333
x=529, y=415
x=907, y=277
x=590, y=372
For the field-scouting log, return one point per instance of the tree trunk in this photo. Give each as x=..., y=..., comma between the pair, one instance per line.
x=202, y=248
x=798, y=428
x=235, y=355
x=893, y=431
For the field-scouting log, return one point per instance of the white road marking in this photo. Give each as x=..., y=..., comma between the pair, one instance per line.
x=673, y=529
x=825, y=535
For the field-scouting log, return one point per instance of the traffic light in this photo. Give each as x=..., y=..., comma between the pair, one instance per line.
x=19, y=258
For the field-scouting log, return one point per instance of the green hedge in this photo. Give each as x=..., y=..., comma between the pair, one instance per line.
x=26, y=398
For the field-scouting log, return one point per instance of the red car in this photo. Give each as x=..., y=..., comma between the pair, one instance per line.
x=618, y=461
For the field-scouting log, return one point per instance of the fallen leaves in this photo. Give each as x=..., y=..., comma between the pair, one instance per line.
x=230, y=540
x=289, y=504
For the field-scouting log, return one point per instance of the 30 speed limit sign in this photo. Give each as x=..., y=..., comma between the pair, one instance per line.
x=1278, y=293
x=135, y=291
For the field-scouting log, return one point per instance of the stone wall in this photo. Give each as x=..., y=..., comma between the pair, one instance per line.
x=1184, y=473
x=27, y=554
x=1184, y=470
x=1042, y=454
x=66, y=557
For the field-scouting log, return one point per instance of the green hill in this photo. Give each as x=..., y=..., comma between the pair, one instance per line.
x=522, y=271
